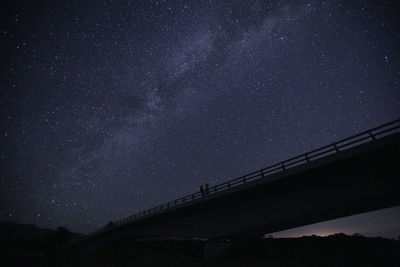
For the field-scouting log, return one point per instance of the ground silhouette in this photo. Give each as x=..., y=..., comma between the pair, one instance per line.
x=28, y=245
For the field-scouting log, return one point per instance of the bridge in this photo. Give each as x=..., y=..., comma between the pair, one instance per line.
x=351, y=176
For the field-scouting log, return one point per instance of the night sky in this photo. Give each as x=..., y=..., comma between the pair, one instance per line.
x=111, y=107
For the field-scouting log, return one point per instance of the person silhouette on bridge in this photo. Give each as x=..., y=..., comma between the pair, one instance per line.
x=201, y=190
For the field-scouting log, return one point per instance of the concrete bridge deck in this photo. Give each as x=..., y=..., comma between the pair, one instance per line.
x=334, y=181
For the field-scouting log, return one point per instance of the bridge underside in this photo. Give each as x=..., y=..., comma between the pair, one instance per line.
x=357, y=180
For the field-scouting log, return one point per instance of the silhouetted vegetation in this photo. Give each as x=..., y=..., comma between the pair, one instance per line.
x=28, y=245
x=110, y=224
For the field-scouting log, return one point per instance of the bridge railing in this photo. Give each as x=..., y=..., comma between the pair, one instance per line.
x=355, y=140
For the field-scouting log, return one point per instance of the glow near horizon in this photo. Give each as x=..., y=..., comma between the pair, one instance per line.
x=360, y=223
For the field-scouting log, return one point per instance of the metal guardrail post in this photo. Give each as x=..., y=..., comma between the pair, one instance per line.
x=336, y=148
x=372, y=135
x=307, y=158
x=283, y=165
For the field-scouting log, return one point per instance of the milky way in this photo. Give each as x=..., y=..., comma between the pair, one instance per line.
x=111, y=107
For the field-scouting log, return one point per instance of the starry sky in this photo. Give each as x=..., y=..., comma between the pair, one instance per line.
x=111, y=107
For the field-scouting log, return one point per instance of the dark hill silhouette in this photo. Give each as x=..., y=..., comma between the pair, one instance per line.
x=14, y=235
x=28, y=245
x=333, y=250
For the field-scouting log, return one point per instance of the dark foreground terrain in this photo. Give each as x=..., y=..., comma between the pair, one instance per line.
x=27, y=245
